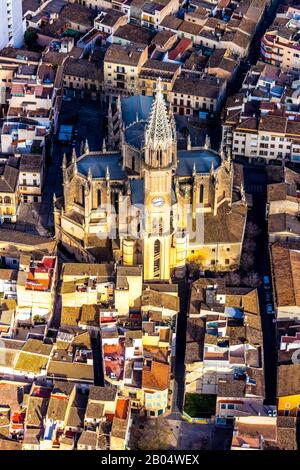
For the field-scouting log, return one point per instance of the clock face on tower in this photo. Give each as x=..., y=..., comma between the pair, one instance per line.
x=158, y=201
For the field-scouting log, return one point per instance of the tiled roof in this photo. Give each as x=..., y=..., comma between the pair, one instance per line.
x=99, y=163
x=156, y=377
x=286, y=275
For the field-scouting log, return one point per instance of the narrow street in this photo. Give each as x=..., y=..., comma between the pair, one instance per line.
x=179, y=373
x=256, y=183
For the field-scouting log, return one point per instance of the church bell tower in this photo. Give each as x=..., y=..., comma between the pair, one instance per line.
x=159, y=166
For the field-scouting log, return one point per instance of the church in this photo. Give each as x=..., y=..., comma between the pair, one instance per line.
x=148, y=203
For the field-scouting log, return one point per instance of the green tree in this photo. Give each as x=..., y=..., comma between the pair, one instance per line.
x=30, y=38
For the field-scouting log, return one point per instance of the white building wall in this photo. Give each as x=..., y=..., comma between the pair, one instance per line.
x=11, y=24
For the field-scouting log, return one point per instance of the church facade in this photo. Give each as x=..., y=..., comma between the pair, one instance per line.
x=148, y=203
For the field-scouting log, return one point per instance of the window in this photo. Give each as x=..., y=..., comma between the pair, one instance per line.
x=156, y=258
x=160, y=227
x=201, y=195
x=98, y=197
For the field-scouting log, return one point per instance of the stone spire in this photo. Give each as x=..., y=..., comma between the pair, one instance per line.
x=243, y=194
x=172, y=120
x=207, y=142
x=64, y=168
x=104, y=145
x=74, y=156
x=74, y=161
x=189, y=142
x=86, y=148
x=159, y=129
x=90, y=174
x=222, y=154
x=119, y=103
x=107, y=176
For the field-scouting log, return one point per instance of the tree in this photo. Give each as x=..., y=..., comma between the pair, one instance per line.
x=154, y=436
x=30, y=38
x=247, y=261
x=251, y=279
x=249, y=245
x=252, y=230
x=233, y=279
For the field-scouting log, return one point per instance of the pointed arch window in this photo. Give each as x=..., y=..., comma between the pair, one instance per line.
x=160, y=227
x=159, y=157
x=156, y=262
x=98, y=197
x=201, y=194
x=82, y=194
x=154, y=226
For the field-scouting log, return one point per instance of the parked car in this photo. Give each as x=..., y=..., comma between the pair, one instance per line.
x=268, y=296
x=270, y=309
x=266, y=281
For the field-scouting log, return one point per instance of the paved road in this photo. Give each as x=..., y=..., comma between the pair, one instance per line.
x=179, y=373
x=262, y=267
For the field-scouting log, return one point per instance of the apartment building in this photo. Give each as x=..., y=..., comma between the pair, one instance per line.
x=109, y=21
x=33, y=94
x=122, y=65
x=17, y=137
x=9, y=193
x=285, y=259
x=283, y=204
x=224, y=337
x=31, y=177
x=81, y=77
x=36, y=289
x=11, y=26
x=151, y=70
x=280, y=45
x=270, y=138
x=264, y=433
x=87, y=284
x=261, y=122
x=152, y=14
x=197, y=97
